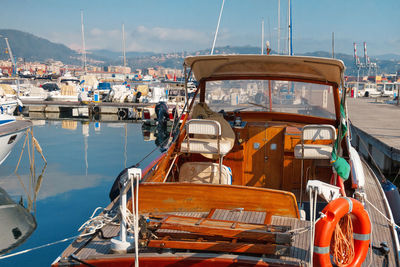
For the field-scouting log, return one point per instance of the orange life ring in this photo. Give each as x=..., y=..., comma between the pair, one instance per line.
x=325, y=226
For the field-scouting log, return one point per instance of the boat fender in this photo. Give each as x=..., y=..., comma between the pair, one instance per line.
x=326, y=225
x=161, y=110
x=96, y=110
x=393, y=197
x=122, y=113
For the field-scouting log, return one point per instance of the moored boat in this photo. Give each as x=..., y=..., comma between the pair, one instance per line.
x=11, y=130
x=269, y=180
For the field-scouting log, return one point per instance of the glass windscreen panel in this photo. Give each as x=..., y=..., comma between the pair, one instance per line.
x=274, y=96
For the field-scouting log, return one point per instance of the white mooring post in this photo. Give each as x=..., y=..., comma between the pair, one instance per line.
x=126, y=242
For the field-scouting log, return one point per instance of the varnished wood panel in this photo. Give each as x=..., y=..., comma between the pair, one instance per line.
x=173, y=197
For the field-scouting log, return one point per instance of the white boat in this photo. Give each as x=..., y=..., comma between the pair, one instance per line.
x=17, y=224
x=11, y=130
x=70, y=90
x=8, y=99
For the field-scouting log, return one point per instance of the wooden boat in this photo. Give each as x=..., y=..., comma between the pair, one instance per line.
x=252, y=184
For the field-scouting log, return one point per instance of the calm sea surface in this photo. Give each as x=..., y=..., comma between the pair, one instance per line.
x=83, y=159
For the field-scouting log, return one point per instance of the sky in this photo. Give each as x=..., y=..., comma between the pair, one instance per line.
x=189, y=25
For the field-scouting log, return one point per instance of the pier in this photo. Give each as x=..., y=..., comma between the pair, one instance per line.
x=376, y=132
x=86, y=109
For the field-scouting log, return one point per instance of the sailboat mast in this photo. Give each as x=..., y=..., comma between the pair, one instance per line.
x=216, y=31
x=83, y=44
x=262, y=37
x=290, y=47
x=123, y=44
x=279, y=27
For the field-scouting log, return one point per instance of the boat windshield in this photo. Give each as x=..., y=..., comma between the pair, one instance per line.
x=276, y=96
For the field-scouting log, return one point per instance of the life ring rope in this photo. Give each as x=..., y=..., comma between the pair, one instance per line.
x=326, y=224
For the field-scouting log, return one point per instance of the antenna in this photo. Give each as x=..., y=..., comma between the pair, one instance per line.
x=123, y=44
x=83, y=44
x=216, y=31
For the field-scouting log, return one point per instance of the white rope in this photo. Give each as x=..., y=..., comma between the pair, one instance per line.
x=383, y=215
x=98, y=222
x=299, y=231
x=43, y=246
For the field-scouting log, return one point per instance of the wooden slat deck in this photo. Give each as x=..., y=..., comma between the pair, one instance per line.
x=381, y=230
x=17, y=126
x=299, y=252
x=98, y=247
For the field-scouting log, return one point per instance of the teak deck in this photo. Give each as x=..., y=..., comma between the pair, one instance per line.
x=298, y=254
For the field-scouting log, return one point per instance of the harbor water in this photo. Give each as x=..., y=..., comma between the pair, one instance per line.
x=83, y=160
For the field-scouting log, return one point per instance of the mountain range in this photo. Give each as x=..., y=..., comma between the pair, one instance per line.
x=32, y=48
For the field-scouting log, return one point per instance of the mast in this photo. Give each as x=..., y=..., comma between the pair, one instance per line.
x=262, y=37
x=290, y=46
x=279, y=27
x=123, y=44
x=83, y=44
x=216, y=31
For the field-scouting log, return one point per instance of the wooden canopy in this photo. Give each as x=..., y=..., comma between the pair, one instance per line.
x=312, y=69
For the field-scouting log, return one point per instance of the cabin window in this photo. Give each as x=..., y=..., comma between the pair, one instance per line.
x=276, y=96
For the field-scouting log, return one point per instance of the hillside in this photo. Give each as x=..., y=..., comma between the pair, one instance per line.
x=32, y=48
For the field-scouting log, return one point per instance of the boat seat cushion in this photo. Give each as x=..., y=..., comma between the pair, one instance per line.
x=208, y=146
x=204, y=173
x=312, y=151
x=319, y=132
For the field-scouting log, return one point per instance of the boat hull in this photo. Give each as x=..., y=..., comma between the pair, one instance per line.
x=17, y=224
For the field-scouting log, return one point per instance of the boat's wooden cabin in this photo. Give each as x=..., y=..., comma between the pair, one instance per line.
x=258, y=121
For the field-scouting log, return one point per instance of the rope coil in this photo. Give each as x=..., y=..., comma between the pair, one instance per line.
x=342, y=244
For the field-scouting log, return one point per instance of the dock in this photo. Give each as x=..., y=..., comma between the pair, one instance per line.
x=376, y=132
x=86, y=109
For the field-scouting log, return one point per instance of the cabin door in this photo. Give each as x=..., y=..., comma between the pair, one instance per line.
x=264, y=157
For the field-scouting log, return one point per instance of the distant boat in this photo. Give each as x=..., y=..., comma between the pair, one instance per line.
x=11, y=130
x=70, y=90
x=16, y=223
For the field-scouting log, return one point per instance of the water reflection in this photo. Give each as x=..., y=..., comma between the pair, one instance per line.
x=84, y=158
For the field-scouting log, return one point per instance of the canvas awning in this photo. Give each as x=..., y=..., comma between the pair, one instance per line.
x=311, y=69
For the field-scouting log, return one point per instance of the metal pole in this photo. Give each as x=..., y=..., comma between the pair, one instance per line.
x=262, y=37
x=216, y=31
x=279, y=27
x=290, y=51
x=14, y=64
x=83, y=44
x=123, y=44
x=333, y=45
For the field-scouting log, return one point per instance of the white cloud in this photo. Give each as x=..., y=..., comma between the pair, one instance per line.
x=55, y=182
x=142, y=38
